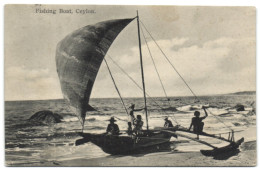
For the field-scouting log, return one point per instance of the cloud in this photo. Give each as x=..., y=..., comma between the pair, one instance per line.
x=208, y=45
x=218, y=66
x=222, y=65
x=26, y=84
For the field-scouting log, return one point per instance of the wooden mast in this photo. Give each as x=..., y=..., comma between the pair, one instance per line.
x=142, y=71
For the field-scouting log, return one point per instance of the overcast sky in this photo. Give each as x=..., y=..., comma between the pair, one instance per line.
x=213, y=48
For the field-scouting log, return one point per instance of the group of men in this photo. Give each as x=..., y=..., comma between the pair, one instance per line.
x=137, y=123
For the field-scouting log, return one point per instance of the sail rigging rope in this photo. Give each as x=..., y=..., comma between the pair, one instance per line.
x=114, y=62
x=157, y=71
x=116, y=86
x=180, y=74
x=220, y=120
x=169, y=61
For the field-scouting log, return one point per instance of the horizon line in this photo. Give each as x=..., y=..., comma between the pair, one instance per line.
x=136, y=97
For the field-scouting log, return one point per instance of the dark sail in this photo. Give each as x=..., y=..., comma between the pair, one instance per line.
x=78, y=59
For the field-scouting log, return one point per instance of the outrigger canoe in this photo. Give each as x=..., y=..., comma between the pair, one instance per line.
x=78, y=59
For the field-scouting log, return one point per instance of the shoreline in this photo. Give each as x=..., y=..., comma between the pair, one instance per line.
x=246, y=157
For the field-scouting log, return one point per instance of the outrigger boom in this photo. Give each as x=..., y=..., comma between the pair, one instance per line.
x=191, y=138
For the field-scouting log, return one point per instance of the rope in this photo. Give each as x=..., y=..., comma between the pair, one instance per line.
x=219, y=120
x=154, y=65
x=157, y=71
x=116, y=86
x=169, y=61
x=180, y=74
x=137, y=85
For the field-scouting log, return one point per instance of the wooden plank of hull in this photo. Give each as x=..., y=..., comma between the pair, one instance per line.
x=113, y=144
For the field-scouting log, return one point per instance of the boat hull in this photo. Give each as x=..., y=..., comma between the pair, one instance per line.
x=124, y=144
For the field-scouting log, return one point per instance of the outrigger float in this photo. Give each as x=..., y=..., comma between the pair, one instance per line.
x=78, y=59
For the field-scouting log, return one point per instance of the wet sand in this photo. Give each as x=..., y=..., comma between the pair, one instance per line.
x=246, y=157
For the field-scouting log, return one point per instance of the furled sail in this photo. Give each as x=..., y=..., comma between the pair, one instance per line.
x=78, y=59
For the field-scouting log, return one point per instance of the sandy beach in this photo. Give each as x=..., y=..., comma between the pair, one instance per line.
x=246, y=157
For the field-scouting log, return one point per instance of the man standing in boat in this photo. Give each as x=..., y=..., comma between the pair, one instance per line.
x=132, y=118
x=197, y=123
x=112, y=128
x=129, y=129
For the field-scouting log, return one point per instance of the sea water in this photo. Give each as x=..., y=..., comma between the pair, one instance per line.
x=27, y=143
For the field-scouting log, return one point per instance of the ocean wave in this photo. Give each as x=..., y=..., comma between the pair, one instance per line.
x=18, y=146
x=99, y=113
x=188, y=108
x=170, y=109
x=23, y=124
x=67, y=135
x=95, y=128
x=103, y=108
x=43, y=136
x=90, y=119
x=71, y=119
x=57, y=144
x=67, y=114
x=228, y=114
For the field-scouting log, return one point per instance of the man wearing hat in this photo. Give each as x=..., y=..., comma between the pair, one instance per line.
x=112, y=128
x=197, y=123
x=167, y=123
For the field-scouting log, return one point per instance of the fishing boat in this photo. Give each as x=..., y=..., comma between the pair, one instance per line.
x=78, y=59
x=125, y=144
